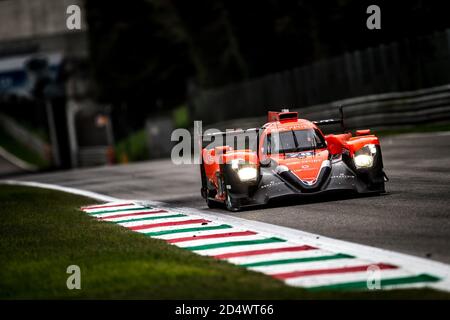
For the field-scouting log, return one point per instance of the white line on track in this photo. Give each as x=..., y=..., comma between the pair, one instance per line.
x=89, y=194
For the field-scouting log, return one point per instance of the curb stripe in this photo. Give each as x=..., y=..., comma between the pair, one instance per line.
x=282, y=258
x=295, y=260
x=131, y=214
x=168, y=237
x=383, y=282
x=213, y=236
x=337, y=278
x=314, y=272
x=107, y=206
x=399, y=269
x=234, y=243
x=118, y=210
x=150, y=218
x=262, y=251
x=215, y=252
x=304, y=266
x=165, y=224
x=164, y=232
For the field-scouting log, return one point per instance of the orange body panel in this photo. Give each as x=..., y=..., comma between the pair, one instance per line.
x=355, y=143
x=214, y=157
x=306, y=168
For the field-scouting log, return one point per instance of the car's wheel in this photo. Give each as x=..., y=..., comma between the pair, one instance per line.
x=209, y=202
x=229, y=204
x=212, y=204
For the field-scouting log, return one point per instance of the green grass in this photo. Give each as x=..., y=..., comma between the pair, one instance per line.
x=43, y=232
x=21, y=151
x=181, y=117
x=133, y=148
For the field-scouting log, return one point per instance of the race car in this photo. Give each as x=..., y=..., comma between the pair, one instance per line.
x=288, y=156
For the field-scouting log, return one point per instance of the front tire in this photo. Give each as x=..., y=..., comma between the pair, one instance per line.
x=230, y=205
x=212, y=204
x=209, y=202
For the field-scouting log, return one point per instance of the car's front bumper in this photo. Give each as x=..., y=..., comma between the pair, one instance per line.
x=341, y=178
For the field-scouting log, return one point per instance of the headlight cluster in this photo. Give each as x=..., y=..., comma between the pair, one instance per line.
x=245, y=171
x=364, y=157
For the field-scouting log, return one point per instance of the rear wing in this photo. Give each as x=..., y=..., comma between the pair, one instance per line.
x=333, y=121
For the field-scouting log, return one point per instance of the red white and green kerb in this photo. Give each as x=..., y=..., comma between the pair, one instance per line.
x=295, y=262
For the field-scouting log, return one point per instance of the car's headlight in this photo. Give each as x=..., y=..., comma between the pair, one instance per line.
x=247, y=174
x=245, y=171
x=364, y=157
x=235, y=163
x=363, y=161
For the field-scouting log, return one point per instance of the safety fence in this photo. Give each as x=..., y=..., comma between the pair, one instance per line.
x=24, y=136
x=387, y=110
x=402, y=68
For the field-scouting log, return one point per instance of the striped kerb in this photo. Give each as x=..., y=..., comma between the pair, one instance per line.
x=165, y=232
x=274, y=256
x=262, y=251
x=316, y=272
x=297, y=260
x=132, y=214
x=107, y=206
x=213, y=236
x=167, y=224
x=233, y=244
x=152, y=218
x=383, y=283
x=119, y=210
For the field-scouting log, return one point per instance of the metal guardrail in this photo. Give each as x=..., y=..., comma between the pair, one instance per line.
x=94, y=156
x=24, y=136
x=386, y=110
x=408, y=64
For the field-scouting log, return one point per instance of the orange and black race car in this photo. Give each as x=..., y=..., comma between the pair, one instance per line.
x=287, y=157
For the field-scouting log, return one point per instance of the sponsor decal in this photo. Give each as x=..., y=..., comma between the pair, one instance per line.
x=343, y=176
x=300, y=154
x=271, y=184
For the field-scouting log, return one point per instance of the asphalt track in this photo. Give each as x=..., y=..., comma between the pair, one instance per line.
x=413, y=217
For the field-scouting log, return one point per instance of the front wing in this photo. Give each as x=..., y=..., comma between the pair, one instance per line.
x=341, y=177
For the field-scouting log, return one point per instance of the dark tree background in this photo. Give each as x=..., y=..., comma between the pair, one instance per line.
x=145, y=52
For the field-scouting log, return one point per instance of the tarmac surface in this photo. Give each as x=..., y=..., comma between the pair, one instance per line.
x=413, y=217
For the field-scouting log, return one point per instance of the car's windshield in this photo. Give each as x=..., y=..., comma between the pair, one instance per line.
x=295, y=141
x=237, y=140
